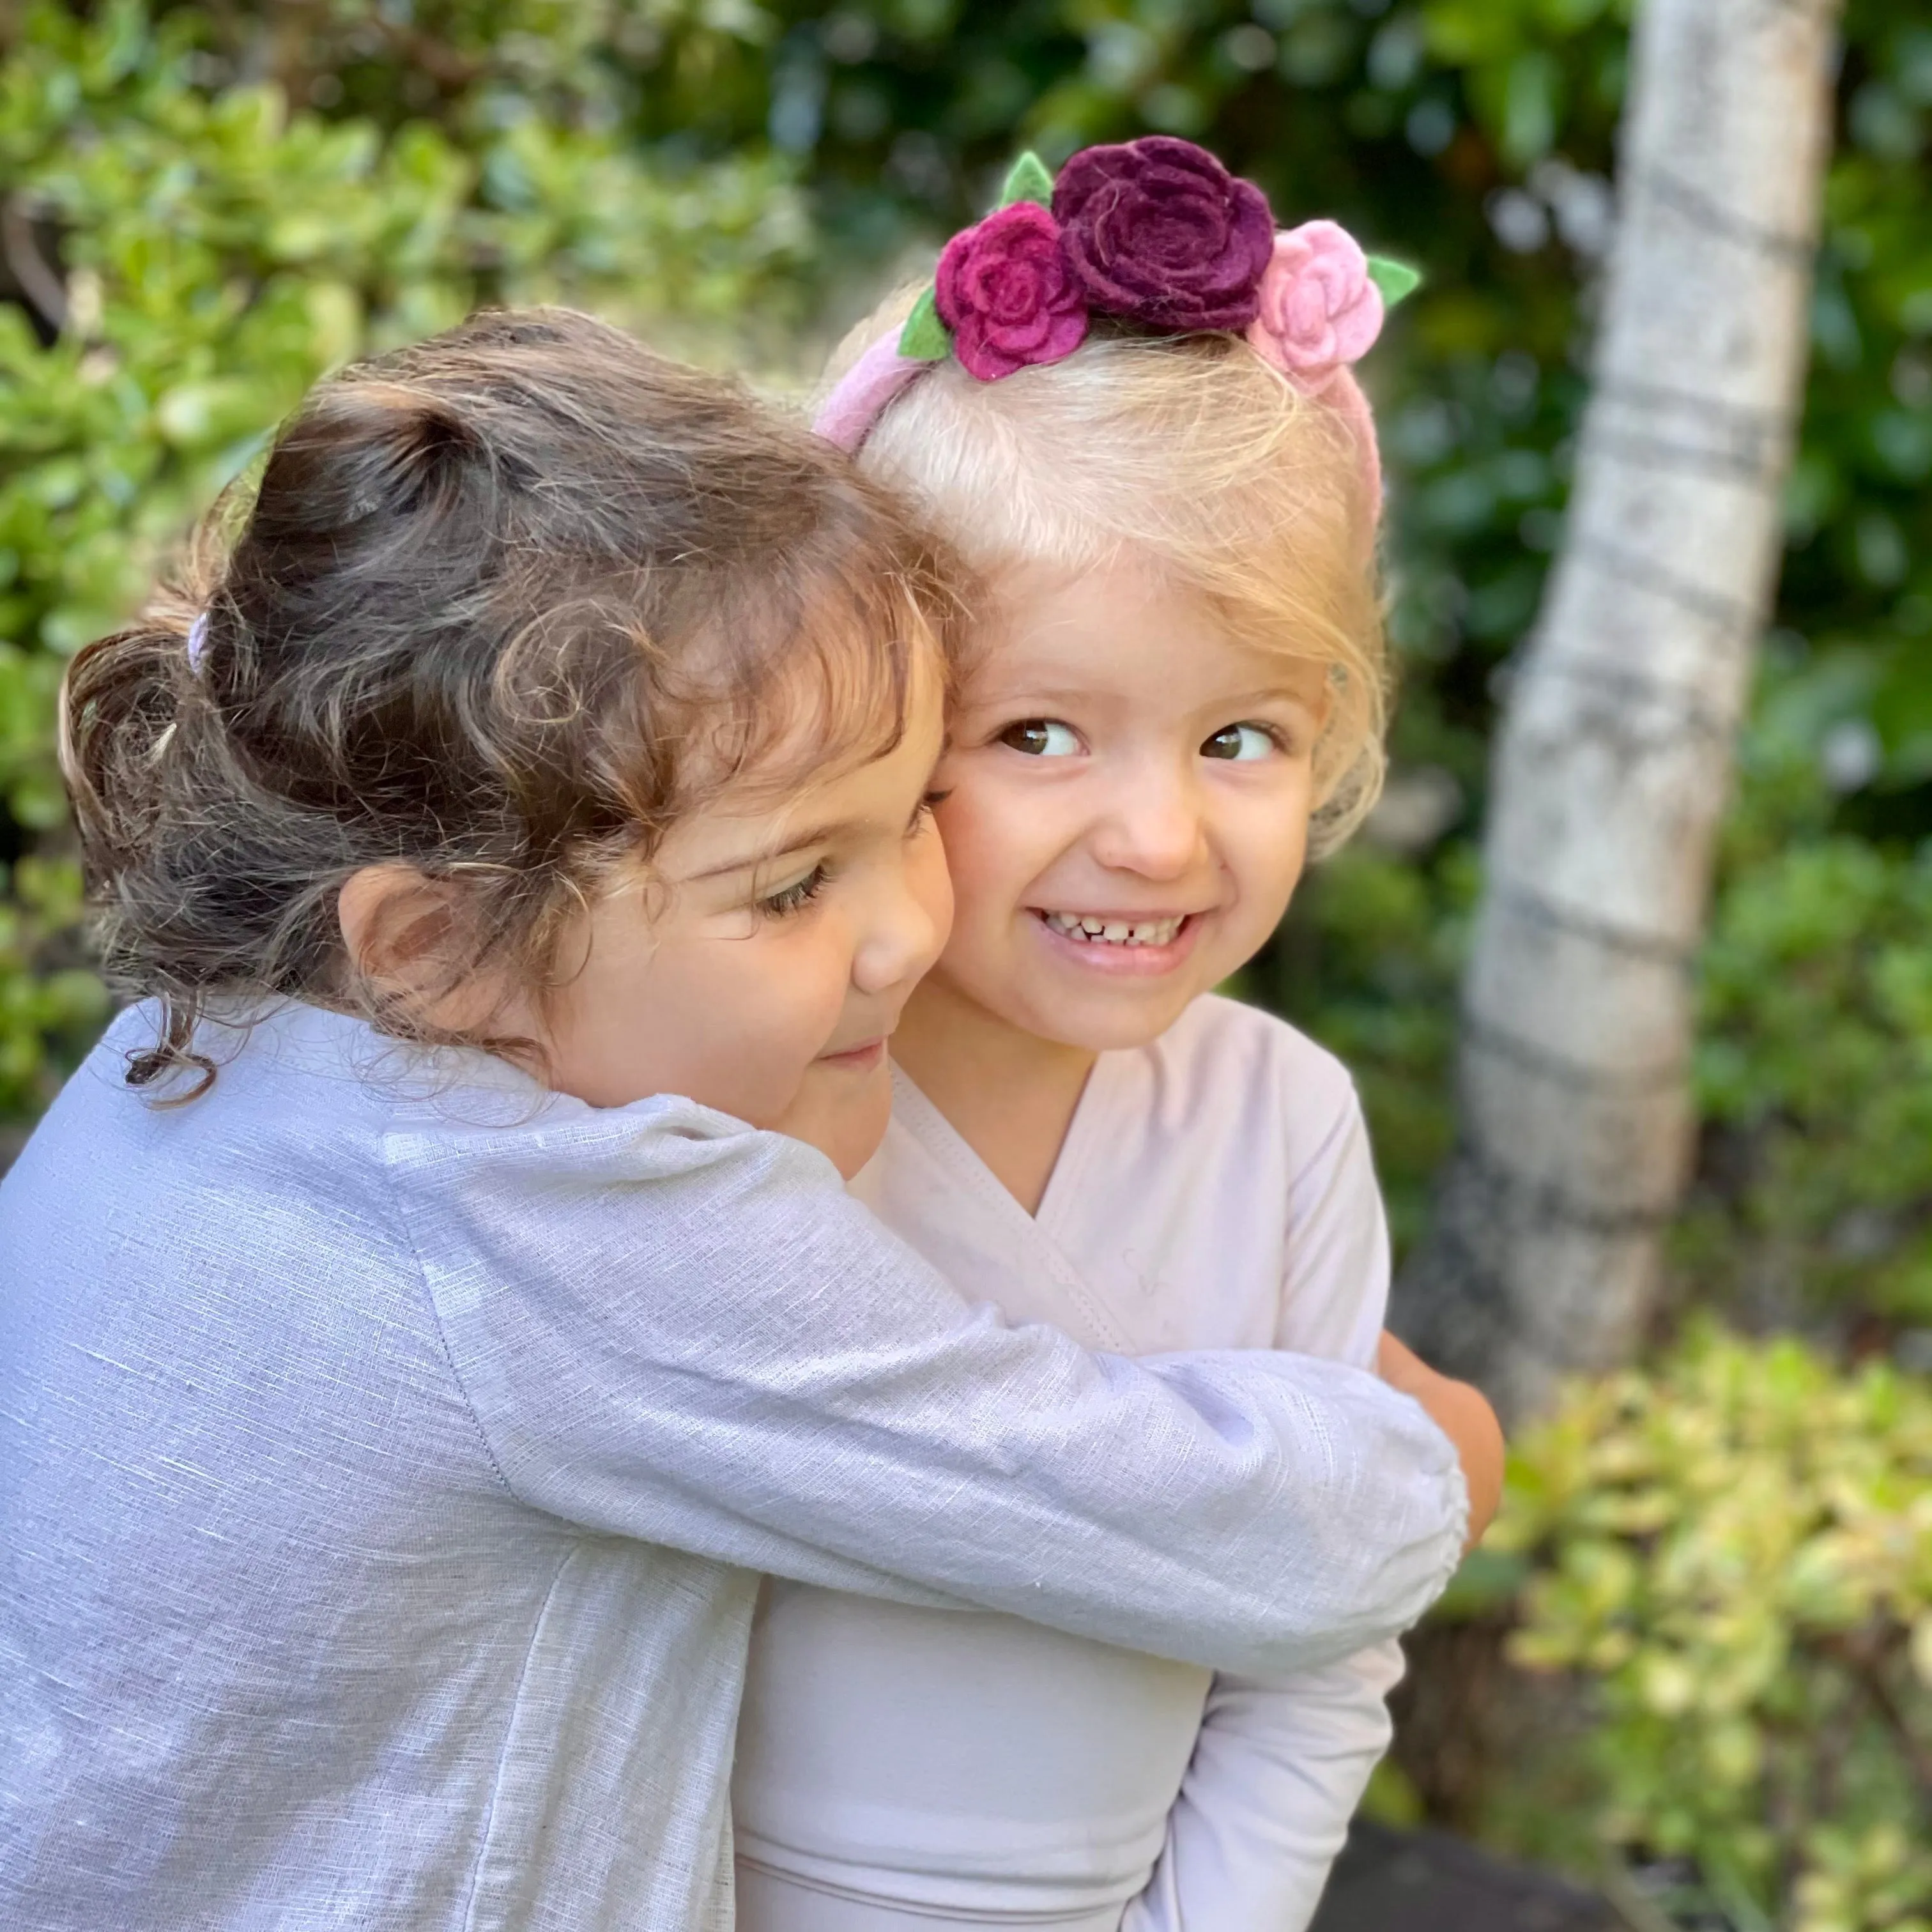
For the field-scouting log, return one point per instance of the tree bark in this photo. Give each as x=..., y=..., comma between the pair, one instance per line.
x=1613, y=760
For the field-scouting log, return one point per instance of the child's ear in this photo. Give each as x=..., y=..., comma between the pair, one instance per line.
x=404, y=932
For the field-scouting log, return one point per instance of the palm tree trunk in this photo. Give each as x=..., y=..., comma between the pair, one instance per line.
x=1613, y=760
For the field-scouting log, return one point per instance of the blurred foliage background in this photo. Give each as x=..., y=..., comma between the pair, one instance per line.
x=1720, y=1569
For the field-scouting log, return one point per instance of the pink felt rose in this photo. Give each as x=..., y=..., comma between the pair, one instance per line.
x=1007, y=293
x=1319, y=309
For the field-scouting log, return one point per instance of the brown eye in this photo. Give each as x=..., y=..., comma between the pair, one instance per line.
x=1240, y=741
x=1041, y=738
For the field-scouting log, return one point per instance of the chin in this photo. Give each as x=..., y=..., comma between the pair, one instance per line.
x=1116, y=1025
x=857, y=1134
x=843, y=1114
x=848, y=1157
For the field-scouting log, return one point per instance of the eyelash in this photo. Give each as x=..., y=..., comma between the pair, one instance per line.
x=796, y=897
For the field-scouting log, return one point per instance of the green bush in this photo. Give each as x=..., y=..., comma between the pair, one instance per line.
x=1734, y=1554
x=1814, y=1061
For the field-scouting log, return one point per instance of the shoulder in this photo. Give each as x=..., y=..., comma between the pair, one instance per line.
x=240, y=1243
x=638, y=1192
x=1272, y=1117
x=268, y=1119
x=1334, y=1281
x=1239, y=1050
x=481, y=1143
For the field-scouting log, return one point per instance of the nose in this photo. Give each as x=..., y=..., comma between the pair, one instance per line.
x=907, y=921
x=1153, y=822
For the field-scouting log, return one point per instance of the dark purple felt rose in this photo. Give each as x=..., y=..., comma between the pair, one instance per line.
x=1159, y=231
x=1005, y=290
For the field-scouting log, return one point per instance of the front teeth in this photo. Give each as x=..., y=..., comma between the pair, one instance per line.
x=1114, y=931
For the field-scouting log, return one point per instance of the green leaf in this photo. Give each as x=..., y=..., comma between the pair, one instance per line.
x=925, y=338
x=1027, y=180
x=1395, y=279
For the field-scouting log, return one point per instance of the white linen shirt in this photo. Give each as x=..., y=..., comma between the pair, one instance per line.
x=387, y=1450
x=900, y=1767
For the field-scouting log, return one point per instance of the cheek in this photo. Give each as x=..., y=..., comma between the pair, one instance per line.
x=733, y=1024
x=784, y=1005
x=1263, y=844
x=998, y=840
x=929, y=881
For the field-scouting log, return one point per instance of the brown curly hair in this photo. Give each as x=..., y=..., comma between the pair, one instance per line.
x=505, y=605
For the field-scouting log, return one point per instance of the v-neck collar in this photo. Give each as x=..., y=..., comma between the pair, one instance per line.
x=1058, y=1213
x=1076, y=1145
x=919, y=1116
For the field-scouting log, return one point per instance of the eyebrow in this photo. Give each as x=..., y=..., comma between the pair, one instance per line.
x=1265, y=692
x=1044, y=697
x=827, y=834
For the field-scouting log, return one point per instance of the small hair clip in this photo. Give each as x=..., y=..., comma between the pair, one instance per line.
x=197, y=643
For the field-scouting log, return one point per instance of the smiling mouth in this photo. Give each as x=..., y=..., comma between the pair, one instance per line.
x=1086, y=929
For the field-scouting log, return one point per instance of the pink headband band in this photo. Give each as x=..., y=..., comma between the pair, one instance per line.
x=859, y=398
x=1155, y=232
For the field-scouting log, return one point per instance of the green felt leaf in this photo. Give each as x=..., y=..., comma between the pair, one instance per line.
x=1395, y=279
x=925, y=338
x=1027, y=180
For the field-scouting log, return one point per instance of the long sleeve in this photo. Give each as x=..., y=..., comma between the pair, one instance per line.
x=672, y=1328
x=1283, y=1760
x=1278, y=1770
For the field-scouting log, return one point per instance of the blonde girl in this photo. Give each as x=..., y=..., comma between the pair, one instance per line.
x=424, y=1314
x=1132, y=408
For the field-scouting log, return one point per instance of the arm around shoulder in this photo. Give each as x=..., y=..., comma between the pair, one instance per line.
x=675, y=1329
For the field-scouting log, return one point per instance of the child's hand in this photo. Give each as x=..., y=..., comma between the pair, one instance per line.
x=1463, y=1415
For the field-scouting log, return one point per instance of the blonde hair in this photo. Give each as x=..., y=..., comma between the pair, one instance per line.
x=1190, y=452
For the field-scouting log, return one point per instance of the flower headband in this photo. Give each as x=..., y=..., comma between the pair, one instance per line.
x=1155, y=232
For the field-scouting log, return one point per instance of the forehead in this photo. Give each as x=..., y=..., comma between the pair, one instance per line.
x=768, y=706
x=791, y=793
x=1123, y=626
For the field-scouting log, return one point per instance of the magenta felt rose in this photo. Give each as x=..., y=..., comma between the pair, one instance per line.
x=1159, y=231
x=1319, y=309
x=1005, y=290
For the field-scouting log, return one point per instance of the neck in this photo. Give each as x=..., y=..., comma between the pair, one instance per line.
x=1009, y=1094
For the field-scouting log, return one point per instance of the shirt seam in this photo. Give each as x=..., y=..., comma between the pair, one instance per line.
x=917, y=1908
x=1345, y=1118
x=400, y=1215
x=469, y=1919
